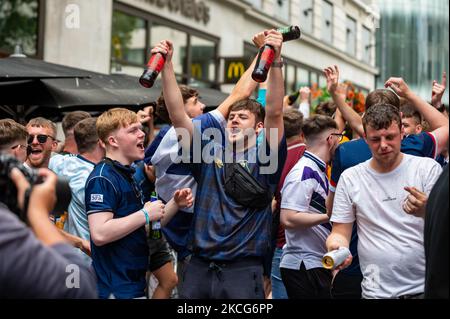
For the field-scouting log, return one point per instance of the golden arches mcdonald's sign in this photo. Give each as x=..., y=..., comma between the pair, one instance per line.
x=234, y=69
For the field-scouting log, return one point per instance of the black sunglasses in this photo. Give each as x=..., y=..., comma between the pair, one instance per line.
x=42, y=138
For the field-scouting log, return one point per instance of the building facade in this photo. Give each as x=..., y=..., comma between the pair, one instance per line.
x=212, y=38
x=412, y=42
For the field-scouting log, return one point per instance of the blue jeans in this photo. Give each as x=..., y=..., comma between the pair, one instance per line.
x=278, y=289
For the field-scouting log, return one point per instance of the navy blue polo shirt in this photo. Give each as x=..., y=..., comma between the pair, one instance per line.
x=120, y=265
x=224, y=230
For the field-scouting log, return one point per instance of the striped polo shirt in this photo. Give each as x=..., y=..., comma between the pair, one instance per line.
x=305, y=190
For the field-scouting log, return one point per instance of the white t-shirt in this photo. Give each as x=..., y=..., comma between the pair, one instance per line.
x=390, y=244
x=76, y=169
x=305, y=190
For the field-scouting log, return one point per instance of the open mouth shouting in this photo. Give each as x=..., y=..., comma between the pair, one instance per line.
x=35, y=153
x=140, y=146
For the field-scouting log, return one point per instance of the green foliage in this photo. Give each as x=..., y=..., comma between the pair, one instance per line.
x=19, y=25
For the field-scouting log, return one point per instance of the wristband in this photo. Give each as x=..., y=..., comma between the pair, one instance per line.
x=147, y=219
x=279, y=64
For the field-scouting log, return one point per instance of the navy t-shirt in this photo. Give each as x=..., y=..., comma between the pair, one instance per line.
x=120, y=265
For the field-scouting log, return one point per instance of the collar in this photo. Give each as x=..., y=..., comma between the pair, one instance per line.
x=127, y=169
x=321, y=164
x=81, y=157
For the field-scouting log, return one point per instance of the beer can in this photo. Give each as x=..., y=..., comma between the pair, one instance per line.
x=334, y=258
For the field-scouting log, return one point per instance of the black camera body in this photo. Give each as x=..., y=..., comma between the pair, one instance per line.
x=8, y=191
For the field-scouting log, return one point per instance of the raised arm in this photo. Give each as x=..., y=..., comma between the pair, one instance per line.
x=437, y=121
x=340, y=121
x=275, y=92
x=172, y=94
x=438, y=91
x=338, y=93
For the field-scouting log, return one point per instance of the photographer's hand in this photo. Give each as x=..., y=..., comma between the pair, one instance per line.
x=21, y=185
x=42, y=201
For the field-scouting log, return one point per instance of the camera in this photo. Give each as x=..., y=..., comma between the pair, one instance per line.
x=8, y=193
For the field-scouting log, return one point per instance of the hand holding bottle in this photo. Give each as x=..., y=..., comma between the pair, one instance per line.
x=274, y=39
x=155, y=210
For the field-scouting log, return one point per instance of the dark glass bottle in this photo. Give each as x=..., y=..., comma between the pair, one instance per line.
x=155, y=232
x=293, y=97
x=154, y=66
x=266, y=54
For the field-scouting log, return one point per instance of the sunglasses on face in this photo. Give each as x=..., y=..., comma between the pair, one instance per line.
x=41, y=138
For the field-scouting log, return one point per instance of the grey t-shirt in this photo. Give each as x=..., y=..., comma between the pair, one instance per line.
x=28, y=269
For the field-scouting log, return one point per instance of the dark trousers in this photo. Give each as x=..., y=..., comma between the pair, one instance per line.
x=314, y=283
x=346, y=286
x=206, y=279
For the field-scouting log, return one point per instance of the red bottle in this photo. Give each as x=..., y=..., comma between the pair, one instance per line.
x=154, y=66
x=266, y=54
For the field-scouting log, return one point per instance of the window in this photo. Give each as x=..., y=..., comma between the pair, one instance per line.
x=203, y=64
x=306, y=15
x=351, y=35
x=159, y=32
x=367, y=43
x=290, y=79
x=314, y=78
x=133, y=37
x=322, y=81
x=302, y=77
x=282, y=9
x=327, y=22
x=128, y=38
x=19, y=25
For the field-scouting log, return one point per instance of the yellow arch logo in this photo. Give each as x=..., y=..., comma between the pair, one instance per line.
x=235, y=70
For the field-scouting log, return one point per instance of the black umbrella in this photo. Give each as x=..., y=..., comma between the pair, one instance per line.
x=22, y=68
x=48, y=93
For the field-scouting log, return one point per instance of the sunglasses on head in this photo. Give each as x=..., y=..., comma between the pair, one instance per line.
x=42, y=138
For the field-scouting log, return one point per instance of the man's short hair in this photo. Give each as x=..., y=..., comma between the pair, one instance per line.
x=85, y=134
x=11, y=131
x=43, y=122
x=326, y=108
x=409, y=111
x=316, y=125
x=252, y=106
x=161, y=108
x=293, y=122
x=112, y=120
x=71, y=119
x=381, y=116
x=382, y=96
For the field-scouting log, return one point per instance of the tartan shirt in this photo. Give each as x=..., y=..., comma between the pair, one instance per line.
x=224, y=230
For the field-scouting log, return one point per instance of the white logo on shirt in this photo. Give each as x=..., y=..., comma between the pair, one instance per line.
x=96, y=198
